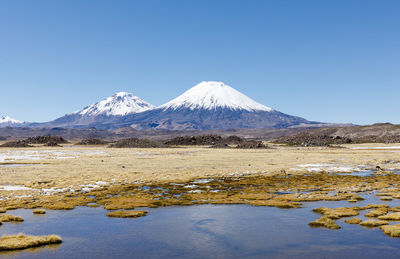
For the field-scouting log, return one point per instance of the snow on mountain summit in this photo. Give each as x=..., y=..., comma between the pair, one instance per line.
x=119, y=104
x=9, y=120
x=212, y=95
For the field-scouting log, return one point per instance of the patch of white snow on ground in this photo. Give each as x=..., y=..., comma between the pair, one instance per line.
x=45, y=154
x=14, y=188
x=89, y=187
x=388, y=147
x=202, y=181
x=327, y=167
x=190, y=186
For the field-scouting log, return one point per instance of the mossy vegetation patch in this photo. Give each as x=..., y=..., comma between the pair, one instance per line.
x=127, y=214
x=10, y=218
x=22, y=241
x=324, y=222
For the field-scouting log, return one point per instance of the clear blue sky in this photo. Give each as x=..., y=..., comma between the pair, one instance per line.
x=332, y=61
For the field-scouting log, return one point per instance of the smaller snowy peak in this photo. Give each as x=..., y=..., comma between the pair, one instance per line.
x=212, y=95
x=119, y=104
x=9, y=120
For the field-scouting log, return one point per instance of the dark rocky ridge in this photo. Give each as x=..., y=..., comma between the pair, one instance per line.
x=252, y=144
x=19, y=143
x=92, y=141
x=153, y=134
x=136, y=143
x=308, y=140
x=204, y=140
x=45, y=140
x=49, y=141
x=376, y=133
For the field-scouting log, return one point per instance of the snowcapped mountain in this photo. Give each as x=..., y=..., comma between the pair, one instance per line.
x=104, y=111
x=6, y=121
x=213, y=95
x=119, y=104
x=208, y=105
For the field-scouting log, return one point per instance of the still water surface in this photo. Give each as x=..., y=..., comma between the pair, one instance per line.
x=206, y=231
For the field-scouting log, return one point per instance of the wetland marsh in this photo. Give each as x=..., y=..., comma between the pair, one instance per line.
x=243, y=203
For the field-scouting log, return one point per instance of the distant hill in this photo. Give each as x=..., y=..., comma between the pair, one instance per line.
x=379, y=133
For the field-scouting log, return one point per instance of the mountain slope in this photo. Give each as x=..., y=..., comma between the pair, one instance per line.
x=208, y=106
x=104, y=111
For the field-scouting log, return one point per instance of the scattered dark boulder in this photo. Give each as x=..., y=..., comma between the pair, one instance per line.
x=220, y=145
x=203, y=140
x=387, y=139
x=309, y=140
x=252, y=144
x=51, y=144
x=19, y=143
x=92, y=141
x=45, y=140
x=234, y=140
x=136, y=143
x=195, y=140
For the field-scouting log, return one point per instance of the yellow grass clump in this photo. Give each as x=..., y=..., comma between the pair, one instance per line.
x=390, y=216
x=276, y=203
x=355, y=198
x=373, y=223
x=22, y=241
x=3, y=210
x=10, y=218
x=127, y=213
x=377, y=212
x=39, y=211
x=391, y=230
x=324, y=222
x=337, y=212
x=353, y=221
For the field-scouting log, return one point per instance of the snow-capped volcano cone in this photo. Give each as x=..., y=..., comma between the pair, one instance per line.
x=121, y=103
x=102, y=112
x=209, y=105
x=214, y=95
x=6, y=121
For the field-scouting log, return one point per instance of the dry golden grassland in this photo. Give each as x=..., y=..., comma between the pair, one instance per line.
x=175, y=164
x=132, y=178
